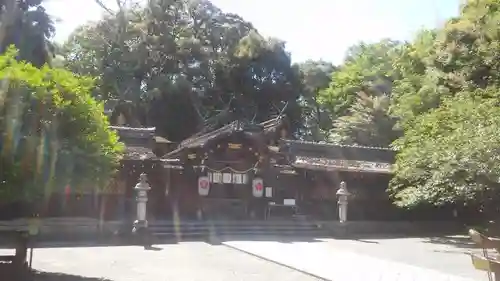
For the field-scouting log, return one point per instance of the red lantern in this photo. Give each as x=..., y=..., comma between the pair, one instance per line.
x=257, y=187
x=204, y=184
x=67, y=190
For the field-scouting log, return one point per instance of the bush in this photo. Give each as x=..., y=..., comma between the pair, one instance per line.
x=53, y=132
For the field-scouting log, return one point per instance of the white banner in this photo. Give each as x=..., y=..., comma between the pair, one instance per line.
x=257, y=187
x=203, y=186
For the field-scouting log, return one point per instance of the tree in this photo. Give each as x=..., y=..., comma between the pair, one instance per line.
x=367, y=124
x=368, y=68
x=315, y=76
x=455, y=161
x=186, y=60
x=25, y=24
x=448, y=107
x=416, y=89
x=54, y=132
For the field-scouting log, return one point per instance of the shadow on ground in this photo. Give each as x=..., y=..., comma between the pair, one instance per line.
x=9, y=273
x=120, y=241
x=51, y=276
x=458, y=241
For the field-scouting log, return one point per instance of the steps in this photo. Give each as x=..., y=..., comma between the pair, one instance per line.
x=193, y=229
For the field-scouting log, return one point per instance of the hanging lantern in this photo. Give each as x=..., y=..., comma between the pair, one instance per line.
x=67, y=191
x=257, y=187
x=203, y=186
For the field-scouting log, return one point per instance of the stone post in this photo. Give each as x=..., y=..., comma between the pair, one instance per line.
x=343, y=195
x=141, y=223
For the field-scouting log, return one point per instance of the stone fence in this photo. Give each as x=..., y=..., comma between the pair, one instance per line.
x=65, y=227
x=76, y=227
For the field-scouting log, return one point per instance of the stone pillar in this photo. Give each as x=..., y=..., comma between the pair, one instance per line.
x=343, y=195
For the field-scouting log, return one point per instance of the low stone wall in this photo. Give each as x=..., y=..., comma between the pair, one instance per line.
x=406, y=228
x=89, y=228
x=65, y=227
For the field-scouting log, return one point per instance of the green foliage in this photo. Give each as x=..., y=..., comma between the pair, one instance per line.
x=449, y=112
x=441, y=91
x=185, y=60
x=54, y=132
x=434, y=98
x=368, y=123
x=368, y=68
x=26, y=24
x=315, y=76
x=452, y=153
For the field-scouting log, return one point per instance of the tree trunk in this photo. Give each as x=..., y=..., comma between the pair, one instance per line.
x=8, y=18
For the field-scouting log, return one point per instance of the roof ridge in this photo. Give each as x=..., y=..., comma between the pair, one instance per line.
x=338, y=145
x=138, y=129
x=214, y=132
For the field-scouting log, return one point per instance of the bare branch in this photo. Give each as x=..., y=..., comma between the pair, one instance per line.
x=101, y=4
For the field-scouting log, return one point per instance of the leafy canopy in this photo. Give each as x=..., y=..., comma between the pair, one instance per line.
x=54, y=132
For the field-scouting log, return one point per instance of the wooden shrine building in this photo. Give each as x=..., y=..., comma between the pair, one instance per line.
x=245, y=171
x=240, y=170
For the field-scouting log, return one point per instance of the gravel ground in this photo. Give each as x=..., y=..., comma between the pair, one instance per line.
x=187, y=261
x=422, y=259
x=337, y=260
x=446, y=254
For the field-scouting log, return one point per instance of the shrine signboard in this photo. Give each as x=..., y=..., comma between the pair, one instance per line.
x=227, y=177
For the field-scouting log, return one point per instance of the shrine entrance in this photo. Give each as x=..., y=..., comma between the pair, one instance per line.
x=227, y=194
x=223, y=171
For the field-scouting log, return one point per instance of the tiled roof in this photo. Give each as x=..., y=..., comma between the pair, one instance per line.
x=335, y=151
x=131, y=132
x=137, y=142
x=328, y=157
x=327, y=164
x=325, y=144
x=135, y=136
x=159, y=139
x=199, y=140
x=138, y=153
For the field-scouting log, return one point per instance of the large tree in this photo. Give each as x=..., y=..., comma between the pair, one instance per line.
x=315, y=76
x=358, y=96
x=367, y=68
x=368, y=123
x=186, y=60
x=449, y=151
x=452, y=154
x=25, y=24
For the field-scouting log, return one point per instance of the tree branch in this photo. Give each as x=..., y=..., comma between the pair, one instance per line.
x=101, y=4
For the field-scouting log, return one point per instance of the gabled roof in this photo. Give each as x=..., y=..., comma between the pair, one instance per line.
x=139, y=153
x=200, y=140
x=162, y=140
x=272, y=125
x=137, y=142
x=135, y=136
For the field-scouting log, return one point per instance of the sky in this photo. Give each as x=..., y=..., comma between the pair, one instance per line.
x=313, y=29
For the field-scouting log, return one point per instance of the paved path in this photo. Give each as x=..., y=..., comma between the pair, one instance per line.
x=339, y=260
x=328, y=259
x=187, y=261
